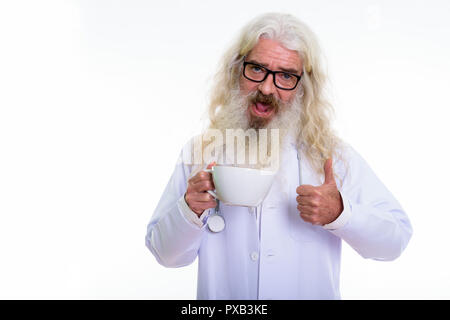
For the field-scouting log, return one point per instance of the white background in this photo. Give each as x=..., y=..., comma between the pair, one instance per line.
x=97, y=98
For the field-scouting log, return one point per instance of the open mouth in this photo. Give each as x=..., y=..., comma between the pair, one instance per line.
x=262, y=110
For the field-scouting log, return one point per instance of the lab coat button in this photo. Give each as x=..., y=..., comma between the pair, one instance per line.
x=254, y=256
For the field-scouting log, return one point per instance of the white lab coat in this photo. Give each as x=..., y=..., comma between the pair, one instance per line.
x=270, y=252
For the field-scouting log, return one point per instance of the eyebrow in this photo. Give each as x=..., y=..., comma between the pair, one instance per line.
x=288, y=70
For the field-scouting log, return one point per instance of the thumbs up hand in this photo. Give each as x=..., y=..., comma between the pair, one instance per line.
x=323, y=204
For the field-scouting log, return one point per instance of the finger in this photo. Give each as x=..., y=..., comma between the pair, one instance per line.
x=300, y=198
x=308, y=201
x=194, y=196
x=306, y=217
x=204, y=205
x=328, y=170
x=202, y=175
x=203, y=185
x=305, y=210
x=306, y=190
x=311, y=219
x=212, y=164
x=201, y=197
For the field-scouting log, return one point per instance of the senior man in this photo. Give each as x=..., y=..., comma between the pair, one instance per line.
x=289, y=247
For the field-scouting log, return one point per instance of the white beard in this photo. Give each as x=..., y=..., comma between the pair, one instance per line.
x=235, y=116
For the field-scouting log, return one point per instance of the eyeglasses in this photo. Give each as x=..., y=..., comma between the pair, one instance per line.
x=281, y=79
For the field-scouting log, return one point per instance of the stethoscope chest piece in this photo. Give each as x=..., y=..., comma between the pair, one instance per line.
x=216, y=223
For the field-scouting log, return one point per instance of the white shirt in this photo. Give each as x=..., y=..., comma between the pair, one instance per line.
x=270, y=252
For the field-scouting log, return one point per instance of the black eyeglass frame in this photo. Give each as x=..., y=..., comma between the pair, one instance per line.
x=273, y=73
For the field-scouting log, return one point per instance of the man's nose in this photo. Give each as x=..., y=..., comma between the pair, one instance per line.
x=267, y=87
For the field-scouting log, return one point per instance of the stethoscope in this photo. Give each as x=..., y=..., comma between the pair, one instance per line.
x=216, y=222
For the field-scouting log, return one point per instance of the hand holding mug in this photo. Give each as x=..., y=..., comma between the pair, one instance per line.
x=197, y=196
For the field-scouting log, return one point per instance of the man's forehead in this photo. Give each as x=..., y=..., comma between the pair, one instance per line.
x=272, y=53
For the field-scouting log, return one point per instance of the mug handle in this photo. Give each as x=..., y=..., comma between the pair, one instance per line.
x=210, y=191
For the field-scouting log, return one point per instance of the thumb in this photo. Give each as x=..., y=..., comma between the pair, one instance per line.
x=328, y=169
x=212, y=164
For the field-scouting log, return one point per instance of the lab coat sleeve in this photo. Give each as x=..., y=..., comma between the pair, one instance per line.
x=377, y=226
x=171, y=236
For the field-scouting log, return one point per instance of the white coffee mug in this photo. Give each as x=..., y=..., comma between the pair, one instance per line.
x=239, y=186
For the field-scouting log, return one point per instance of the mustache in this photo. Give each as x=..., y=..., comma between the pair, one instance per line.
x=257, y=96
